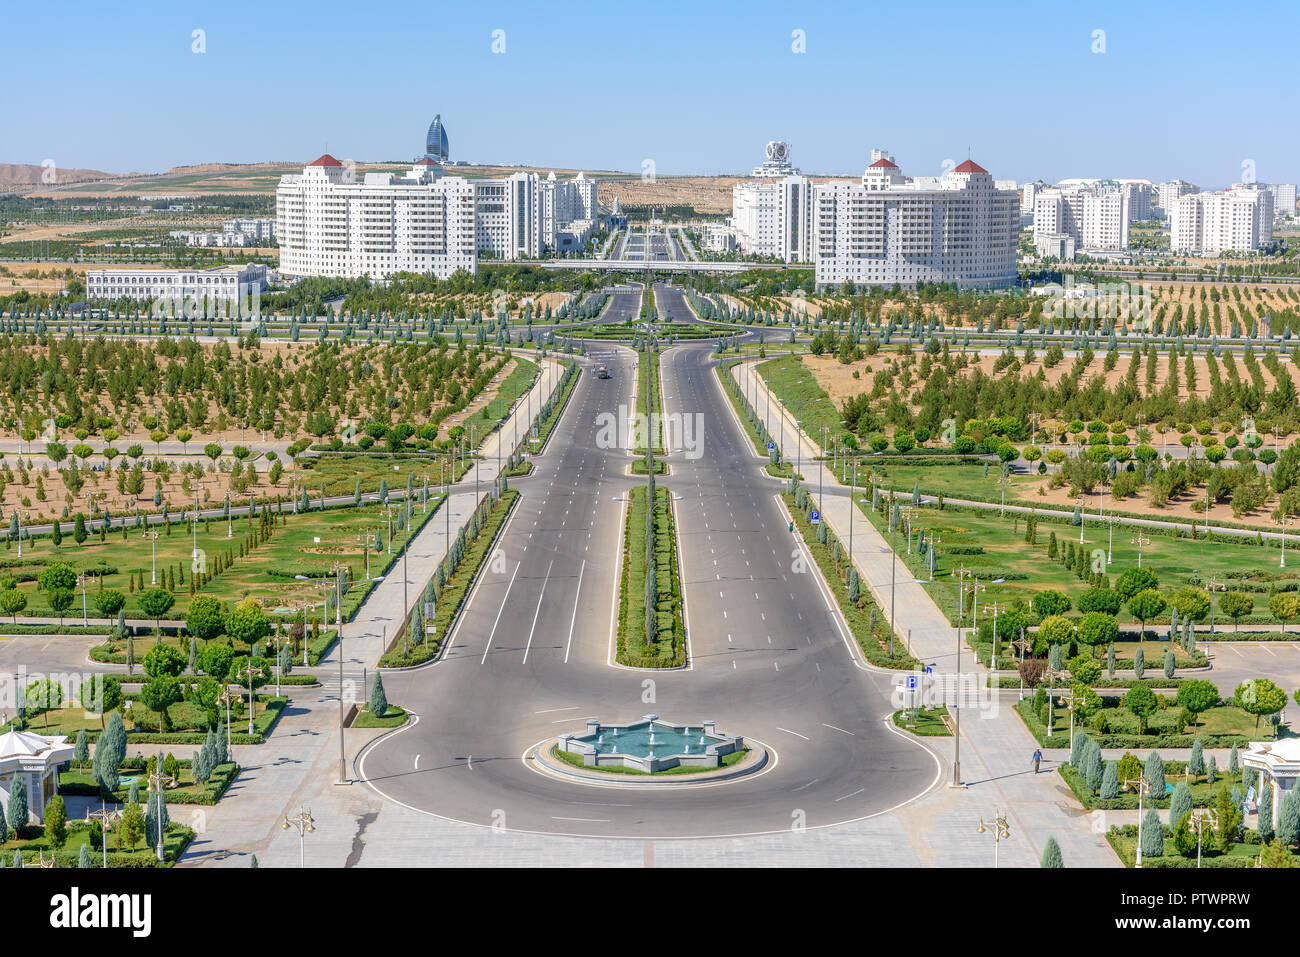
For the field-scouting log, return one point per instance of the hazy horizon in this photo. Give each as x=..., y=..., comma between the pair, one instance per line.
x=1025, y=91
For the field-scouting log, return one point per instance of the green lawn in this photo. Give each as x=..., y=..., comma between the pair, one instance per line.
x=140, y=854
x=454, y=592
x=668, y=649
x=306, y=544
x=927, y=723
x=1028, y=569
x=792, y=383
x=393, y=718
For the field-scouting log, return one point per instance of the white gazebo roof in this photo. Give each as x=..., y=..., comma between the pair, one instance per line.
x=30, y=750
x=1275, y=755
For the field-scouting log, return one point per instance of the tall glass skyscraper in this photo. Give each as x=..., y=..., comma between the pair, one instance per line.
x=436, y=146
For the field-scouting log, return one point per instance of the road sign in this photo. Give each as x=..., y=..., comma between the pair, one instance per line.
x=911, y=682
x=929, y=669
x=815, y=517
x=771, y=446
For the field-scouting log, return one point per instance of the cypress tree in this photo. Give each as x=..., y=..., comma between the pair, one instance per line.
x=83, y=858
x=378, y=700
x=1093, y=767
x=1139, y=663
x=1110, y=660
x=1169, y=662
x=1265, y=825
x=1288, y=819
x=1051, y=854
x=1077, y=750
x=1234, y=764
x=1110, y=782
x=1180, y=803
x=1153, y=835
x=1211, y=770
x=81, y=751
x=1196, y=762
x=18, y=812
x=1154, y=772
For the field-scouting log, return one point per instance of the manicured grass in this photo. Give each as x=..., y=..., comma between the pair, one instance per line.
x=339, y=472
x=189, y=722
x=517, y=383
x=80, y=782
x=1028, y=569
x=454, y=591
x=1124, y=841
x=267, y=571
x=639, y=467
x=392, y=718
x=792, y=383
x=668, y=649
x=648, y=401
x=140, y=854
x=1204, y=794
x=1219, y=727
x=928, y=722
x=872, y=635
x=726, y=761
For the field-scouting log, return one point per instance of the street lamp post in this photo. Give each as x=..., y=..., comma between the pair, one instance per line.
x=105, y=817
x=1198, y=821
x=158, y=782
x=1144, y=790
x=1000, y=829
x=153, y=571
x=304, y=823
x=1139, y=540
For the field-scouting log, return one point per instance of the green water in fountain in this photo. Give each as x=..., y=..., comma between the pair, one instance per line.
x=645, y=738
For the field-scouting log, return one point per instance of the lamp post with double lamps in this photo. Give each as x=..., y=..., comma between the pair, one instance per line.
x=1144, y=791
x=1000, y=830
x=304, y=823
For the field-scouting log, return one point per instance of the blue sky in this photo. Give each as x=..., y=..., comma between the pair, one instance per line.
x=1189, y=90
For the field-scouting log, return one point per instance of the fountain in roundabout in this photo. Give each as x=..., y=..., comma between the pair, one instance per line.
x=651, y=745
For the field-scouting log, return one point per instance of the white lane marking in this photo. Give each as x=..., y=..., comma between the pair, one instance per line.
x=808, y=785
x=574, y=620
x=417, y=762
x=589, y=820
x=833, y=728
x=795, y=733
x=552, y=710
x=470, y=760
x=499, y=611
x=538, y=612
x=854, y=794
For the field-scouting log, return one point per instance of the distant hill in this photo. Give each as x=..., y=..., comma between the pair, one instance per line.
x=19, y=175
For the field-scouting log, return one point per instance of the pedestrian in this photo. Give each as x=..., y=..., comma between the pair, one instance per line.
x=1038, y=759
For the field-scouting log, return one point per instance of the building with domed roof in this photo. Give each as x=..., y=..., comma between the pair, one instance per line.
x=889, y=228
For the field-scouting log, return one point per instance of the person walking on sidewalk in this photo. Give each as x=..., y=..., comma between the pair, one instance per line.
x=1038, y=759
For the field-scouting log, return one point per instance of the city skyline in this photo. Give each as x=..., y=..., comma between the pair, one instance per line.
x=902, y=73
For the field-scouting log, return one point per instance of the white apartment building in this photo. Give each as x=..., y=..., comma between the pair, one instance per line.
x=1236, y=220
x=771, y=214
x=258, y=229
x=1169, y=193
x=1094, y=216
x=220, y=285
x=1283, y=199
x=957, y=228
x=330, y=225
x=773, y=217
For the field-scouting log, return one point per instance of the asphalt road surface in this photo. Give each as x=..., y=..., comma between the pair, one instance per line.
x=532, y=655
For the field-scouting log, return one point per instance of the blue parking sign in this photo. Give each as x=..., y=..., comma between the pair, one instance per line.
x=816, y=517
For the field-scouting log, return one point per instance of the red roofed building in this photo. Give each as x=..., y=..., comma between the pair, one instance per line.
x=957, y=228
x=325, y=160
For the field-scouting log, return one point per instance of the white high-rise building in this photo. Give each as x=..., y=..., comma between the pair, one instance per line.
x=330, y=225
x=1236, y=220
x=1168, y=194
x=1094, y=216
x=1283, y=199
x=771, y=214
x=957, y=228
